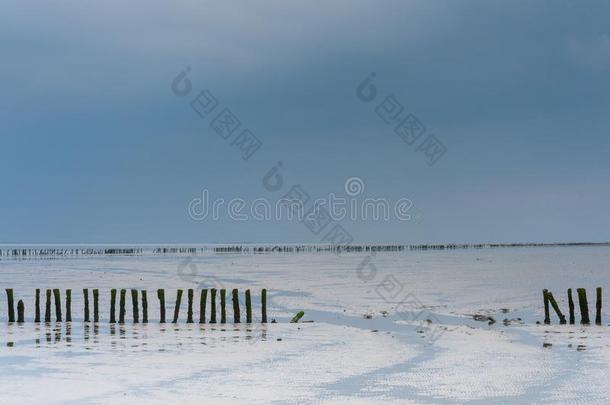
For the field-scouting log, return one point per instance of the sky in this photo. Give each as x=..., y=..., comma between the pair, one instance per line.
x=99, y=145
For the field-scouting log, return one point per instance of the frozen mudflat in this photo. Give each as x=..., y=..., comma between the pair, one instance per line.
x=390, y=327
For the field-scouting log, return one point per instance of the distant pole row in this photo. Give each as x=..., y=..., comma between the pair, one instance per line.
x=55, y=296
x=264, y=249
x=69, y=252
x=583, y=305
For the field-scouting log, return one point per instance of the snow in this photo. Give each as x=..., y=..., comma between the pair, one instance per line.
x=417, y=343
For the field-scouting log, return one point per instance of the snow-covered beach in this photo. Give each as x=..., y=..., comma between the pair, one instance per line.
x=387, y=327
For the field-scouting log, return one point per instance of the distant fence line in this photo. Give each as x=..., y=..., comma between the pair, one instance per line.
x=261, y=249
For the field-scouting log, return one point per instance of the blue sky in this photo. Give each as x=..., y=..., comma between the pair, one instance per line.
x=97, y=148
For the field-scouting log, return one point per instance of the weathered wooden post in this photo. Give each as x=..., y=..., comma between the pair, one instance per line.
x=96, y=305
x=236, y=312
x=189, y=312
x=177, y=307
x=297, y=317
x=598, y=306
x=264, y=305
x=134, y=304
x=57, y=304
x=248, y=307
x=584, y=306
x=11, y=304
x=545, y=297
x=47, y=311
x=86, y=298
x=112, y=305
x=571, y=306
x=161, y=296
x=20, y=312
x=122, y=306
x=223, y=305
x=562, y=319
x=144, y=307
x=37, y=313
x=68, y=305
x=202, y=301
x=213, y=305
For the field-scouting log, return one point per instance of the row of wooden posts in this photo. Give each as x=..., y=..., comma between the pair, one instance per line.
x=582, y=303
x=134, y=300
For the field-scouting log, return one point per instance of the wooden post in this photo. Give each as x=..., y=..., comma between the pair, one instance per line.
x=112, y=305
x=68, y=305
x=96, y=305
x=144, y=307
x=161, y=296
x=202, y=301
x=571, y=306
x=86, y=298
x=20, y=311
x=598, y=306
x=584, y=306
x=189, y=312
x=236, y=313
x=213, y=305
x=562, y=319
x=297, y=317
x=223, y=305
x=47, y=312
x=248, y=307
x=37, y=313
x=547, y=316
x=264, y=305
x=122, y=306
x=134, y=304
x=11, y=305
x=177, y=307
x=57, y=304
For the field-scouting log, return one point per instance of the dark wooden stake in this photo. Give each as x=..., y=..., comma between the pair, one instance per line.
x=547, y=315
x=562, y=319
x=96, y=305
x=189, y=312
x=47, y=310
x=112, y=305
x=584, y=306
x=248, y=307
x=11, y=304
x=144, y=307
x=20, y=312
x=571, y=306
x=57, y=304
x=213, y=305
x=86, y=298
x=598, y=306
x=37, y=313
x=223, y=306
x=202, y=302
x=236, y=313
x=122, y=307
x=264, y=305
x=68, y=305
x=134, y=304
x=177, y=307
x=297, y=317
x=161, y=296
